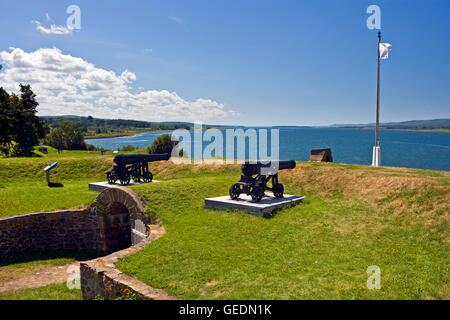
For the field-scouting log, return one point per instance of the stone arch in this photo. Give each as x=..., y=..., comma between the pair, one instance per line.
x=121, y=218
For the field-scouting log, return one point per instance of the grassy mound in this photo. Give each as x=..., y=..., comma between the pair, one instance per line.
x=354, y=217
x=23, y=188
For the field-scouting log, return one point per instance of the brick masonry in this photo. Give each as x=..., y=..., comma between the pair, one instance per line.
x=68, y=230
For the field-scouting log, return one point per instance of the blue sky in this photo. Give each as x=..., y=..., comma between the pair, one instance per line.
x=244, y=62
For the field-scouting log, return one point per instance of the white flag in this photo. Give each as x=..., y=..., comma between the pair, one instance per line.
x=384, y=50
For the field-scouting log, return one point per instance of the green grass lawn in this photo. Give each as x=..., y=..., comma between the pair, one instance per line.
x=354, y=217
x=50, y=292
x=22, y=198
x=23, y=188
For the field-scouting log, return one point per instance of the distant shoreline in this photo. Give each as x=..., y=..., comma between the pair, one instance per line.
x=119, y=135
x=394, y=129
x=107, y=136
x=422, y=130
x=134, y=133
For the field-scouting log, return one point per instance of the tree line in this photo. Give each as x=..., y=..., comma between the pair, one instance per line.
x=91, y=125
x=21, y=129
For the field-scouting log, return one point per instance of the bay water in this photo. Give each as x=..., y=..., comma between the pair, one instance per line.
x=413, y=149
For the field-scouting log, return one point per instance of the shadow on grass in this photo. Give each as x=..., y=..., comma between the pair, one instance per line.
x=55, y=185
x=43, y=256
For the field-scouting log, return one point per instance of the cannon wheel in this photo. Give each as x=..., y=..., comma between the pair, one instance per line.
x=235, y=191
x=111, y=178
x=278, y=190
x=125, y=180
x=148, y=178
x=257, y=194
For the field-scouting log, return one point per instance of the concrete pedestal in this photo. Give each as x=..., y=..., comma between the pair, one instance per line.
x=100, y=186
x=263, y=208
x=376, y=157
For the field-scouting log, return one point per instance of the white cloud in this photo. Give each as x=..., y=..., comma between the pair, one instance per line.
x=128, y=76
x=53, y=29
x=70, y=85
x=177, y=20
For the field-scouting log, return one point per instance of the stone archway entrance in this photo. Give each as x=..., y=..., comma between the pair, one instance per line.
x=117, y=227
x=121, y=218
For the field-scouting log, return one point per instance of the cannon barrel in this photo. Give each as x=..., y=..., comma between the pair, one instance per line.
x=249, y=169
x=125, y=159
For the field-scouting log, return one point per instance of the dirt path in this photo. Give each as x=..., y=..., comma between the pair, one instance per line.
x=40, y=278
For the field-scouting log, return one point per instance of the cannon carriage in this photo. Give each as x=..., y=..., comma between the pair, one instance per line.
x=256, y=177
x=133, y=167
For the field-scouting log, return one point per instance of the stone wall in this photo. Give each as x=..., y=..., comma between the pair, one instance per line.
x=116, y=220
x=68, y=230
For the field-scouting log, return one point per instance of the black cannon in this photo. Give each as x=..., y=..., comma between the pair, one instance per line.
x=133, y=166
x=256, y=177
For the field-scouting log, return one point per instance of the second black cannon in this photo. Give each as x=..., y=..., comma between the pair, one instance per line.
x=259, y=177
x=133, y=167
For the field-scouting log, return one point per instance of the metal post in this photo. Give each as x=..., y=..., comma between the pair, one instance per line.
x=47, y=176
x=377, y=134
x=376, y=160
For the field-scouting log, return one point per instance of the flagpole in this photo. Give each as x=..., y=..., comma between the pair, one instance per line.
x=377, y=139
x=376, y=160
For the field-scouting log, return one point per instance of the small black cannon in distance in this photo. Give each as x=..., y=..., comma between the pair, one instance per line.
x=256, y=177
x=133, y=166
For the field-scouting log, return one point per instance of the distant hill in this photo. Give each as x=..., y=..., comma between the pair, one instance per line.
x=412, y=125
x=90, y=124
x=97, y=125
